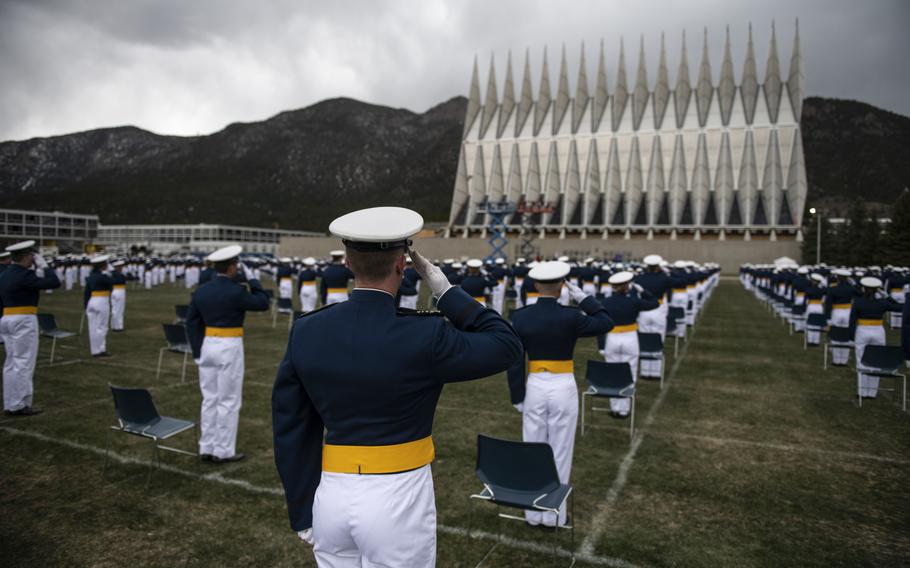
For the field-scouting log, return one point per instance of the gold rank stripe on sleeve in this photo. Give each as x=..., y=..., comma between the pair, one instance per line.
x=223, y=331
x=101, y=294
x=625, y=328
x=542, y=366
x=378, y=459
x=869, y=322
x=21, y=311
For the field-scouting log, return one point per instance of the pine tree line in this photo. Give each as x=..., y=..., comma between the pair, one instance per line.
x=861, y=240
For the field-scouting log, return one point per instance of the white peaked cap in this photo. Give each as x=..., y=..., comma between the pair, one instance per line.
x=377, y=228
x=621, y=277
x=225, y=253
x=653, y=260
x=475, y=263
x=549, y=271
x=871, y=282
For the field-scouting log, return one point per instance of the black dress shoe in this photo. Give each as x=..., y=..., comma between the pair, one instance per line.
x=206, y=457
x=234, y=458
x=102, y=354
x=24, y=411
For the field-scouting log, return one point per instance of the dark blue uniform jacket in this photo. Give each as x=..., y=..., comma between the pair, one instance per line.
x=97, y=281
x=222, y=303
x=21, y=287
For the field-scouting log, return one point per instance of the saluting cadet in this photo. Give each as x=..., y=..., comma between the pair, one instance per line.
x=815, y=300
x=587, y=276
x=475, y=283
x=335, y=277
x=621, y=344
x=97, y=301
x=548, y=402
x=355, y=396
x=680, y=293
x=867, y=323
x=528, y=293
x=4, y=261
x=214, y=326
x=118, y=296
x=798, y=294
x=905, y=330
x=411, y=273
x=284, y=275
x=564, y=294
x=20, y=289
x=306, y=282
x=499, y=274
x=519, y=272
x=840, y=297
x=407, y=293
x=897, y=288
x=654, y=321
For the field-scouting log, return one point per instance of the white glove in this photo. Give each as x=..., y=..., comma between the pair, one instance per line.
x=247, y=273
x=306, y=536
x=637, y=287
x=520, y=407
x=39, y=261
x=576, y=293
x=431, y=274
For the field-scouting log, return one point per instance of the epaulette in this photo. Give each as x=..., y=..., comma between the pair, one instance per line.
x=424, y=313
x=317, y=310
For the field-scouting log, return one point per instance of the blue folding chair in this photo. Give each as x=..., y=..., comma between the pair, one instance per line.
x=137, y=416
x=608, y=380
x=651, y=348
x=884, y=361
x=47, y=326
x=522, y=475
x=176, y=342
x=838, y=338
x=180, y=310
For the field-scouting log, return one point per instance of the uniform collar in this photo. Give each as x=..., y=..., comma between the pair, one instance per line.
x=546, y=299
x=371, y=295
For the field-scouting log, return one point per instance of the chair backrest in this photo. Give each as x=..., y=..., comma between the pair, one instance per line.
x=841, y=334
x=885, y=357
x=47, y=322
x=134, y=406
x=650, y=342
x=519, y=466
x=175, y=334
x=676, y=312
x=608, y=375
x=181, y=310
x=284, y=303
x=817, y=320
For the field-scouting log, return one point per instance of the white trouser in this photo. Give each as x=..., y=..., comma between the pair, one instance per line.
x=308, y=297
x=221, y=383
x=409, y=302
x=690, y=305
x=375, y=521
x=335, y=297
x=20, y=339
x=867, y=385
x=622, y=347
x=285, y=288
x=897, y=318
x=653, y=321
x=98, y=314
x=148, y=280
x=814, y=337
x=499, y=296
x=118, y=307
x=680, y=299
x=799, y=300
x=70, y=279
x=589, y=288
x=550, y=416
x=518, y=283
x=840, y=317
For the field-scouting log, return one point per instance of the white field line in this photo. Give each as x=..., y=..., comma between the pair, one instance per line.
x=622, y=475
x=216, y=477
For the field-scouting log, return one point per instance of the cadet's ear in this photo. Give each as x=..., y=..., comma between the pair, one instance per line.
x=400, y=264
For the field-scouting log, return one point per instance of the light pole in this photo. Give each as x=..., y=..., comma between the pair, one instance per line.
x=818, y=234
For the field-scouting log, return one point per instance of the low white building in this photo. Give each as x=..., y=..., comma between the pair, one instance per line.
x=166, y=239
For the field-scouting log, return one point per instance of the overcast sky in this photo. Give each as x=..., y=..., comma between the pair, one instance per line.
x=194, y=66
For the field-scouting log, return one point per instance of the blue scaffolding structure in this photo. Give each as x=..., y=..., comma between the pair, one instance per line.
x=496, y=227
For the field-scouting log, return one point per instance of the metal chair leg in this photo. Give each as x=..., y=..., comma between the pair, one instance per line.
x=160, y=355
x=183, y=371
x=632, y=421
x=53, y=348
x=583, y=398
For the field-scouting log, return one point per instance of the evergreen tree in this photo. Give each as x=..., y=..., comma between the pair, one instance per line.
x=810, y=236
x=895, y=243
x=856, y=251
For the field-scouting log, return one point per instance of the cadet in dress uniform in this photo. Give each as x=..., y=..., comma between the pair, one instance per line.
x=206, y=274
x=655, y=281
x=355, y=395
x=815, y=304
x=839, y=298
x=408, y=291
x=4, y=261
x=306, y=281
x=587, y=276
x=621, y=346
x=118, y=296
x=333, y=287
x=214, y=326
x=905, y=331
x=867, y=323
x=499, y=274
x=519, y=272
x=549, y=401
x=97, y=301
x=798, y=294
x=475, y=283
x=20, y=288
x=284, y=275
x=897, y=288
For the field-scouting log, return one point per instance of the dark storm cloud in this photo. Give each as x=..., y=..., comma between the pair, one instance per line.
x=188, y=67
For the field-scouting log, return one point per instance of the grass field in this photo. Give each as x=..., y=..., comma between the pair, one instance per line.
x=751, y=455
